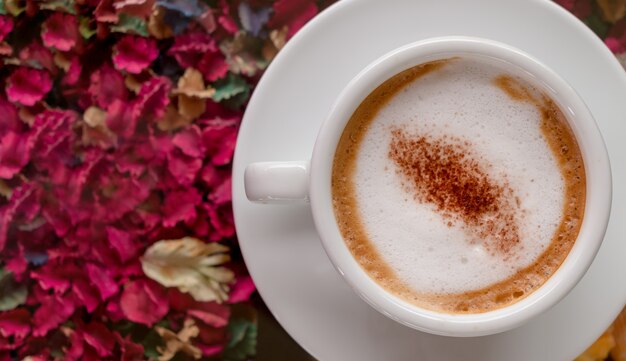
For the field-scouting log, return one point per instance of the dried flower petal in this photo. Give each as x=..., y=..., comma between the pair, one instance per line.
x=107, y=85
x=134, y=53
x=6, y=25
x=27, y=86
x=144, y=302
x=293, y=13
x=60, y=31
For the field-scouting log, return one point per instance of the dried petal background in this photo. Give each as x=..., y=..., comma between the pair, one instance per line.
x=118, y=123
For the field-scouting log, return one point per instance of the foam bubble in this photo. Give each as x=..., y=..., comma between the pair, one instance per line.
x=457, y=101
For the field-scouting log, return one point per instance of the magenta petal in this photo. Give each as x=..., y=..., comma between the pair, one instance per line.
x=50, y=280
x=180, y=206
x=51, y=313
x=188, y=49
x=134, y=53
x=189, y=141
x=15, y=323
x=131, y=351
x=144, y=302
x=9, y=210
x=9, y=120
x=153, y=98
x=107, y=85
x=213, y=66
x=6, y=25
x=211, y=350
x=100, y=338
x=86, y=293
x=121, y=242
x=241, y=291
x=14, y=153
x=60, y=31
x=183, y=168
x=27, y=86
x=120, y=118
x=102, y=280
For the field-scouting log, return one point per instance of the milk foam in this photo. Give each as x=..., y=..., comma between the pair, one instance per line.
x=458, y=100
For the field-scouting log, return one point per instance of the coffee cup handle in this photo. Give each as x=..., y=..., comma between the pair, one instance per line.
x=277, y=182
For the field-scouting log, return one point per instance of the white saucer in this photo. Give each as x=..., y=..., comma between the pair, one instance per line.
x=280, y=245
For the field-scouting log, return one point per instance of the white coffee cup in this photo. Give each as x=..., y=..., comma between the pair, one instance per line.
x=285, y=182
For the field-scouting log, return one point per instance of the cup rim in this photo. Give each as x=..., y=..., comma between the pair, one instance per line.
x=598, y=187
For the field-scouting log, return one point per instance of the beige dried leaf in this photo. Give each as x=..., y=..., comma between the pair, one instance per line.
x=5, y=190
x=95, y=129
x=618, y=353
x=600, y=349
x=192, y=94
x=172, y=120
x=191, y=266
x=612, y=10
x=157, y=26
x=62, y=61
x=179, y=342
x=276, y=41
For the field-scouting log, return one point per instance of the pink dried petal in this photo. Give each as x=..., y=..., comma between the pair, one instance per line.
x=102, y=280
x=27, y=86
x=100, y=338
x=144, y=302
x=222, y=194
x=183, y=168
x=213, y=66
x=14, y=153
x=51, y=280
x=15, y=323
x=180, y=206
x=60, y=31
x=107, y=85
x=219, y=138
x=614, y=45
x=138, y=8
x=226, y=20
x=37, y=55
x=9, y=120
x=9, y=210
x=210, y=350
x=51, y=128
x=211, y=313
x=76, y=349
x=153, y=98
x=292, y=13
x=130, y=351
x=188, y=49
x=121, y=242
x=242, y=289
x=86, y=293
x=189, y=141
x=113, y=309
x=72, y=75
x=134, y=53
x=221, y=219
x=105, y=12
x=51, y=313
x=6, y=25
x=120, y=119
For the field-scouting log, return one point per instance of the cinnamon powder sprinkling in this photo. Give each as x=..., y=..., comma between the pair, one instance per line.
x=444, y=173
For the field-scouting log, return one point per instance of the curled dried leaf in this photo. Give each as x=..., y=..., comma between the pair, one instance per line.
x=618, y=353
x=600, y=349
x=191, y=266
x=612, y=10
x=179, y=342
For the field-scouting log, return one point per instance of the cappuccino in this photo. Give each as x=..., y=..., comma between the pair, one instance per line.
x=459, y=186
